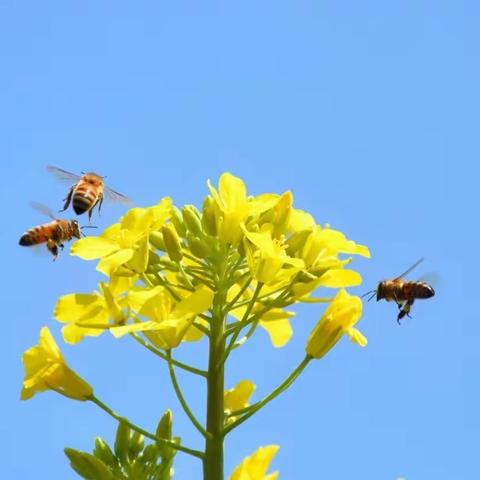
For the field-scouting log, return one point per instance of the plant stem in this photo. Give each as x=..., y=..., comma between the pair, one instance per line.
x=138, y=429
x=252, y=409
x=181, y=398
x=213, y=462
x=163, y=355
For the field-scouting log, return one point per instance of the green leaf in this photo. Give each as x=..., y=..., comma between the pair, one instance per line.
x=88, y=466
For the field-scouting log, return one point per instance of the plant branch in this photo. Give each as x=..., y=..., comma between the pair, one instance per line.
x=181, y=398
x=252, y=409
x=169, y=443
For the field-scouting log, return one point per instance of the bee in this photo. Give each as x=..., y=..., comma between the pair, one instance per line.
x=403, y=292
x=87, y=191
x=53, y=234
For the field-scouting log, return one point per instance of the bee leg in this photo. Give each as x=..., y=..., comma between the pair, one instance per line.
x=67, y=199
x=52, y=248
x=100, y=202
x=61, y=245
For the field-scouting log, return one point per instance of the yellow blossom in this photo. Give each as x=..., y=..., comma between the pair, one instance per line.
x=266, y=256
x=338, y=319
x=168, y=320
x=238, y=397
x=45, y=369
x=256, y=465
x=90, y=314
x=126, y=242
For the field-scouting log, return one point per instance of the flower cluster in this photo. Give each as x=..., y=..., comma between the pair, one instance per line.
x=177, y=275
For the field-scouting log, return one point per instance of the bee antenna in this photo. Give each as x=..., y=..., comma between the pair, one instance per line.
x=88, y=226
x=373, y=292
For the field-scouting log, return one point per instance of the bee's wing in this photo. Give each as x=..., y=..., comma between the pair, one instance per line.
x=406, y=272
x=116, y=197
x=43, y=209
x=63, y=175
x=432, y=278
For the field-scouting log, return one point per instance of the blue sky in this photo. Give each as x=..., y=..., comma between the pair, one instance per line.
x=367, y=111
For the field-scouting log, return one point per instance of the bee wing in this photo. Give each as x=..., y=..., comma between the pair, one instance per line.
x=117, y=197
x=406, y=272
x=43, y=209
x=432, y=278
x=63, y=175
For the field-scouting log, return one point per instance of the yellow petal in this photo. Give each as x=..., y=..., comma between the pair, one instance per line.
x=280, y=331
x=238, y=397
x=90, y=248
x=139, y=261
x=77, y=307
x=356, y=336
x=339, y=277
x=110, y=263
x=255, y=466
x=73, y=333
x=196, y=303
x=232, y=191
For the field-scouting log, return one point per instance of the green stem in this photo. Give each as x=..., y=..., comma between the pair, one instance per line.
x=252, y=409
x=165, y=357
x=181, y=398
x=213, y=463
x=238, y=295
x=244, y=319
x=138, y=429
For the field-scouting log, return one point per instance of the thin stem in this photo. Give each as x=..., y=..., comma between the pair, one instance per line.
x=181, y=398
x=245, y=317
x=138, y=429
x=184, y=274
x=193, y=259
x=164, y=356
x=238, y=295
x=252, y=409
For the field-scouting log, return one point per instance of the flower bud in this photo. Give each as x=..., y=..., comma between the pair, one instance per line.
x=103, y=452
x=177, y=221
x=198, y=247
x=191, y=218
x=164, y=430
x=172, y=242
x=156, y=240
x=88, y=466
x=209, y=217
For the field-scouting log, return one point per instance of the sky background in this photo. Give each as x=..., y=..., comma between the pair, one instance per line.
x=368, y=111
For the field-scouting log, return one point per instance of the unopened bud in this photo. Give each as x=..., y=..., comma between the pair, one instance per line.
x=177, y=221
x=198, y=247
x=172, y=242
x=191, y=218
x=209, y=217
x=156, y=240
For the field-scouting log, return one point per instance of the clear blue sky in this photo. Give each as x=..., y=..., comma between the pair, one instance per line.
x=368, y=111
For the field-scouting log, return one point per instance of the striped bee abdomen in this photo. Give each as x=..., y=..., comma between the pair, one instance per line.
x=83, y=199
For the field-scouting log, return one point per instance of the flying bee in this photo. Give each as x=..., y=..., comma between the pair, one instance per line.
x=403, y=292
x=53, y=234
x=87, y=191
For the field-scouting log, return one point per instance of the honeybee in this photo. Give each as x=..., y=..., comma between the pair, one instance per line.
x=53, y=234
x=87, y=191
x=403, y=292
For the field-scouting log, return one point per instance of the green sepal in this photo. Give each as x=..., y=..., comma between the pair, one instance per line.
x=88, y=466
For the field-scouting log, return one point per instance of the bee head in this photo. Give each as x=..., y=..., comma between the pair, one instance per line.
x=76, y=229
x=380, y=290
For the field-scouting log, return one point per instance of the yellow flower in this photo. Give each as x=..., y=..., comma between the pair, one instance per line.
x=255, y=466
x=266, y=257
x=45, y=369
x=232, y=200
x=339, y=318
x=169, y=320
x=89, y=314
x=326, y=242
x=126, y=242
x=238, y=397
